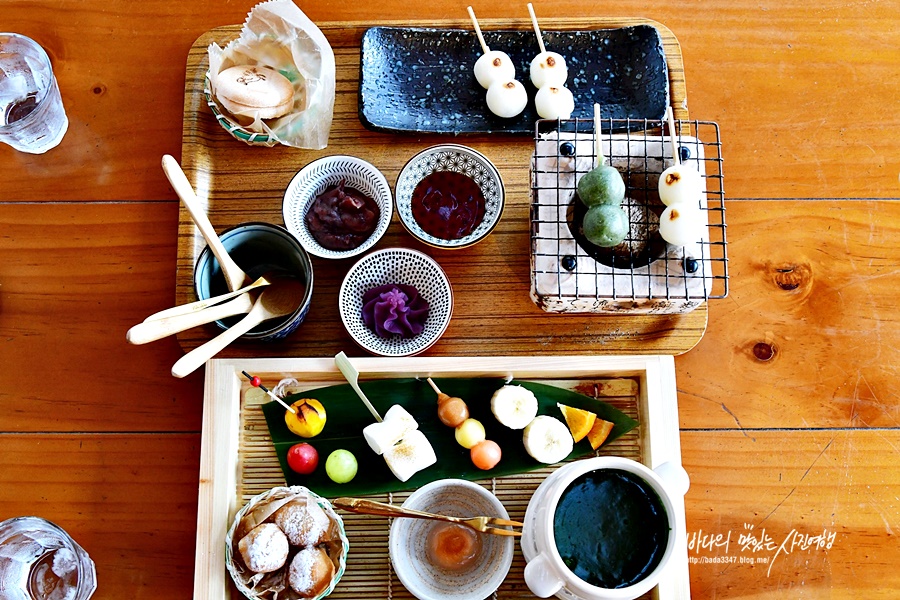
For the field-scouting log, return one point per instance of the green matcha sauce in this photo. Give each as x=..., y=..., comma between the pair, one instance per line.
x=611, y=528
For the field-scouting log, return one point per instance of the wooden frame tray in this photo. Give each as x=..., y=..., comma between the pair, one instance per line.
x=238, y=461
x=493, y=313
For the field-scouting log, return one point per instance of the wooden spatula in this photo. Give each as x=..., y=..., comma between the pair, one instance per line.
x=279, y=299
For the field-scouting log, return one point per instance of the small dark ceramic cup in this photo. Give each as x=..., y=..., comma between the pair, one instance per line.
x=258, y=248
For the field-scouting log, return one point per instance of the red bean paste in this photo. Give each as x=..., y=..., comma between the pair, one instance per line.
x=342, y=218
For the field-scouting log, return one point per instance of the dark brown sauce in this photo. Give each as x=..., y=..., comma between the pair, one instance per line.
x=448, y=205
x=342, y=218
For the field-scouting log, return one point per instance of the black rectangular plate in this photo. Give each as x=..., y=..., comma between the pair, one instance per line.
x=416, y=80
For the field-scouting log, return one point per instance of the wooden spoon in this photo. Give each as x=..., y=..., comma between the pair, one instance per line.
x=278, y=300
x=195, y=307
x=150, y=331
x=234, y=275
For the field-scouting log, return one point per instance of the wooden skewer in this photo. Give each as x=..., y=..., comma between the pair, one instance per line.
x=433, y=386
x=484, y=47
x=537, y=28
x=599, y=159
x=670, y=118
x=271, y=395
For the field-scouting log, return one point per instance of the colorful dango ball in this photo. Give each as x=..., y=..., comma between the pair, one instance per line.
x=681, y=224
x=492, y=66
x=485, y=454
x=507, y=99
x=302, y=458
x=341, y=466
x=601, y=185
x=548, y=68
x=605, y=225
x=680, y=183
x=469, y=433
x=554, y=102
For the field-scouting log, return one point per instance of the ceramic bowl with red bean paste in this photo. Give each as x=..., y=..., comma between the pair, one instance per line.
x=449, y=196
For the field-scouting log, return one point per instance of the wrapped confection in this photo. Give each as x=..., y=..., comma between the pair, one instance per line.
x=394, y=309
x=277, y=35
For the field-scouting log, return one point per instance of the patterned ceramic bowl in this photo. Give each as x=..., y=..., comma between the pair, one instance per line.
x=260, y=510
x=459, y=498
x=328, y=172
x=396, y=266
x=454, y=158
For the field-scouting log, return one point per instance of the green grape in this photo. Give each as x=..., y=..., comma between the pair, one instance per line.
x=341, y=466
x=605, y=225
x=602, y=185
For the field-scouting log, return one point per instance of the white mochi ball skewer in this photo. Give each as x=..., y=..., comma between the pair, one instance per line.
x=492, y=65
x=507, y=98
x=679, y=183
x=554, y=102
x=547, y=68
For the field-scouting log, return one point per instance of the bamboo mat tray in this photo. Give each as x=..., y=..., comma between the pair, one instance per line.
x=493, y=314
x=238, y=460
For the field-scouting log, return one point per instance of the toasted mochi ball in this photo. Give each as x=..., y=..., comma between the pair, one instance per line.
x=264, y=549
x=304, y=523
x=310, y=572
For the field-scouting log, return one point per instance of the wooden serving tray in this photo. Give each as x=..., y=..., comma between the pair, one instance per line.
x=493, y=314
x=238, y=460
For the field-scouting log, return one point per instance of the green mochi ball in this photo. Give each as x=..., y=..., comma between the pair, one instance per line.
x=605, y=225
x=602, y=185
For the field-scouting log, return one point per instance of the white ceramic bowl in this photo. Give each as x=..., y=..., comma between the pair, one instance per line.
x=403, y=266
x=460, y=159
x=319, y=175
x=547, y=575
x=281, y=494
x=459, y=498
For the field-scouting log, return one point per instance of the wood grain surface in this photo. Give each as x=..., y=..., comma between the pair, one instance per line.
x=491, y=281
x=788, y=404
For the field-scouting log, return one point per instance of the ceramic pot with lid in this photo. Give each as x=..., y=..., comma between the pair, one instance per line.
x=547, y=573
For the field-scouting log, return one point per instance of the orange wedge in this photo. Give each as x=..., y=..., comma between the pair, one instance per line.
x=599, y=432
x=579, y=421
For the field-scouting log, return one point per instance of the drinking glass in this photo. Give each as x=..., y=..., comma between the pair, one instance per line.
x=32, y=117
x=39, y=561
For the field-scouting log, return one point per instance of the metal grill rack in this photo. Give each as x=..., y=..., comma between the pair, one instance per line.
x=643, y=274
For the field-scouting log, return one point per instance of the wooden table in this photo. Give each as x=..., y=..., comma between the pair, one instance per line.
x=789, y=409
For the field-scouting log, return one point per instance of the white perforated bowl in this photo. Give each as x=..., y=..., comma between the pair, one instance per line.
x=403, y=266
x=319, y=175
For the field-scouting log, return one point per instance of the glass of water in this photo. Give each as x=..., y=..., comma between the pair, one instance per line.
x=39, y=561
x=32, y=118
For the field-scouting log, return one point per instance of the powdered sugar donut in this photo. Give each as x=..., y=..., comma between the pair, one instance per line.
x=264, y=549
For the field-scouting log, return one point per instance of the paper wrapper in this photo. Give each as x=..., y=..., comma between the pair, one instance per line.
x=278, y=35
x=261, y=509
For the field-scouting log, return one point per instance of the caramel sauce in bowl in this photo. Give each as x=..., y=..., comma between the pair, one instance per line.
x=454, y=566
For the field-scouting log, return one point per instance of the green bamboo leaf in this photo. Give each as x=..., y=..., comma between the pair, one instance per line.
x=346, y=417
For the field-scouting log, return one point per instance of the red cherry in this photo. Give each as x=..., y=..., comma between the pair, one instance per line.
x=255, y=381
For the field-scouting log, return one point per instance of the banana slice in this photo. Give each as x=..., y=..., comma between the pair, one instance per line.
x=547, y=440
x=514, y=406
